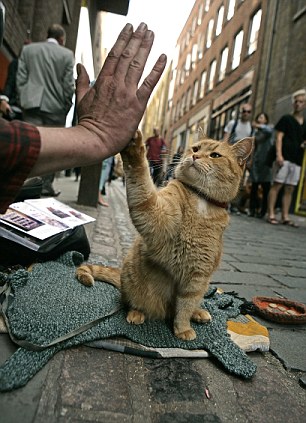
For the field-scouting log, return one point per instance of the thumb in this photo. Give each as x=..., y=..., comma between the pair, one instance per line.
x=82, y=82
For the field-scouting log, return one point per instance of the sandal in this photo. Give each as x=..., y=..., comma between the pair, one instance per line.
x=290, y=223
x=272, y=221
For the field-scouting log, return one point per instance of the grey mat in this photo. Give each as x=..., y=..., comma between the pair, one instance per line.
x=49, y=302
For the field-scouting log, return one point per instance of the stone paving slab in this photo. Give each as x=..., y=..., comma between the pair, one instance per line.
x=244, y=278
x=91, y=385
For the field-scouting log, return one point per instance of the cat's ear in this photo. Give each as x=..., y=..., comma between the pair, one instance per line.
x=243, y=149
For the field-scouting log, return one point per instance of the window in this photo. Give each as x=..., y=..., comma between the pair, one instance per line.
x=194, y=56
x=194, y=25
x=200, y=14
x=195, y=92
x=223, y=63
x=202, y=84
x=178, y=78
x=187, y=64
x=188, y=99
x=187, y=40
x=212, y=73
x=182, y=76
x=183, y=105
x=201, y=39
x=231, y=9
x=219, y=21
x=209, y=33
x=237, y=49
x=255, y=26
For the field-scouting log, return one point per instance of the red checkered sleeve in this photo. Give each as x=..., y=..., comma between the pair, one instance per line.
x=19, y=149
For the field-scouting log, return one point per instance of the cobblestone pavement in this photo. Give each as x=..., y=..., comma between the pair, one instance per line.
x=91, y=385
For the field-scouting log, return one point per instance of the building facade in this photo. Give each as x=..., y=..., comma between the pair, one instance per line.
x=218, y=54
x=29, y=19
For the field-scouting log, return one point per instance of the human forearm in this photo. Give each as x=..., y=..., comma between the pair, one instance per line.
x=278, y=147
x=68, y=148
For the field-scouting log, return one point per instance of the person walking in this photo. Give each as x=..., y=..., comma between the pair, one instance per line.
x=260, y=172
x=174, y=162
x=46, y=85
x=155, y=148
x=290, y=141
x=235, y=130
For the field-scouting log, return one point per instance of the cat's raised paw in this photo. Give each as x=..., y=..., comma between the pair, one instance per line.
x=135, y=317
x=201, y=316
x=134, y=149
x=186, y=335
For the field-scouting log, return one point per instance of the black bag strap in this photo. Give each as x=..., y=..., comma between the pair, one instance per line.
x=6, y=297
x=232, y=135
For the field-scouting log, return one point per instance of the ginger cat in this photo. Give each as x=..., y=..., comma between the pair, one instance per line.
x=167, y=270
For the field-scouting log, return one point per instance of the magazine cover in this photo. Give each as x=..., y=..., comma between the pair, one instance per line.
x=42, y=218
x=60, y=211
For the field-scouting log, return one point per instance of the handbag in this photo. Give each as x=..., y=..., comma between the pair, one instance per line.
x=271, y=156
x=27, y=250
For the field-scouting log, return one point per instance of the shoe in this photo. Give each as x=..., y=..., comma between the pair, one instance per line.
x=290, y=223
x=103, y=204
x=272, y=221
x=51, y=194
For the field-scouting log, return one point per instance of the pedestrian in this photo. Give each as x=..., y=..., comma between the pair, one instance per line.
x=108, y=115
x=174, y=162
x=10, y=104
x=235, y=130
x=156, y=147
x=106, y=174
x=290, y=141
x=46, y=85
x=260, y=172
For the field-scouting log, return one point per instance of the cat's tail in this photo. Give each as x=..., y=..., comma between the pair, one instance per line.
x=88, y=273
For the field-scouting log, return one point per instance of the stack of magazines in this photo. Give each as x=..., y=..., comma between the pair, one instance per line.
x=38, y=222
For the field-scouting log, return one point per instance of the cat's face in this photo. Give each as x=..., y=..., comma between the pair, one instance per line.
x=215, y=167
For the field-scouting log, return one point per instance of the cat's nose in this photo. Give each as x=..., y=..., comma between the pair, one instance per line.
x=195, y=157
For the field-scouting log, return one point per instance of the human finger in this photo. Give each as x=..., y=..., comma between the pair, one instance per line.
x=137, y=64
x=115, y=53
x=149, y=83
x=132, y=49
x=82, y=83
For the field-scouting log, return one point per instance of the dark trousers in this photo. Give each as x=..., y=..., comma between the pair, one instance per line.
x=156, y=169
x=39, y=118
x=255, y=202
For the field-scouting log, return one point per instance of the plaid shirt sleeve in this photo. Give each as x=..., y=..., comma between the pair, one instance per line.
x=19, y=150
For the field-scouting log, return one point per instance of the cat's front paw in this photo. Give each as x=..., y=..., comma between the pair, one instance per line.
x=134, y=150
x=186, y=335
x=135, y=317
x=201, y=316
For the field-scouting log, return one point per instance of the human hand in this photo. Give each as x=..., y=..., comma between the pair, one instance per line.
x=113, y=107
x=280, y=160
x=5, y=107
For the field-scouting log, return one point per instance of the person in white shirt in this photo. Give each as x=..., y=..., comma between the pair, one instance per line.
x=240, y=128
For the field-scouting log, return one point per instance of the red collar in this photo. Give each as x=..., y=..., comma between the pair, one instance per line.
x=217, y=203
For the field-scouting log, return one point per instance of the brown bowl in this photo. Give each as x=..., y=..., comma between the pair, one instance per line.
x=280, y=310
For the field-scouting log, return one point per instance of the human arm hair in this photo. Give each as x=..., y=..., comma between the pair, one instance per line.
x=278, y=145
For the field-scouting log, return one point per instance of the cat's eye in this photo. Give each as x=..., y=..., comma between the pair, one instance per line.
x=214, y=155
x=195, y=149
